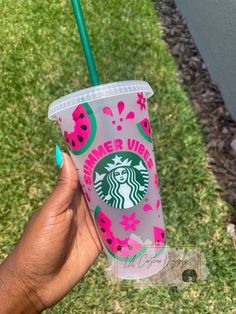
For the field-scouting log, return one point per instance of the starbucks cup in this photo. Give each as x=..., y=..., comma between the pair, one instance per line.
x=108, y=134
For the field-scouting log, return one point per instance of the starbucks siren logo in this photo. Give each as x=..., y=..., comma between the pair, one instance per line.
x=121, y=179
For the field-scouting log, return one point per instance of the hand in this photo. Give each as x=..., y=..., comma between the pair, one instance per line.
x=57, y=248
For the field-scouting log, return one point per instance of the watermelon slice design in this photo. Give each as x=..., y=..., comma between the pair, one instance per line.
x=124, y=250
x=159, y=240
x=145, y=129
x=84, y=131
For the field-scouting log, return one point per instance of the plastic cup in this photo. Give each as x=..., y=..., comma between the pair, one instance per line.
x=108, y=134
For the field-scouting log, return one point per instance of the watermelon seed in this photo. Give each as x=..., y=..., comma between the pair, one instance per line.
x=80, y=138
x=102, y=220
x=162, y=234
x=130, y=247
x=84, y=127
x=119, y=248
x=81, y=115
x=109, y=241
x=103, y=230
x=73, y=143
x=145, y=124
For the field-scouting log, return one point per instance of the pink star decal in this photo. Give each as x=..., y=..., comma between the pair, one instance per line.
x=130, y=222
x=141, y=101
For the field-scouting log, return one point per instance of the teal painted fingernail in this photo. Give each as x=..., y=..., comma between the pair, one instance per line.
x=59, y=158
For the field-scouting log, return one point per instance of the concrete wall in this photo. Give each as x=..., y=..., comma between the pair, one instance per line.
x=212, y=24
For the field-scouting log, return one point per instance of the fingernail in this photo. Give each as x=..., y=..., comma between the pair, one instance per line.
x=59, y=158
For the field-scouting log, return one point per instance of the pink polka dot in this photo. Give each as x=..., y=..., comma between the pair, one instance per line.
x=159, y=216
x=121, y=119
x=119, y=127
x=113, y=122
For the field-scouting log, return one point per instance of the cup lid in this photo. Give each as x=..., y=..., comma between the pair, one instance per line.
x=98, y=92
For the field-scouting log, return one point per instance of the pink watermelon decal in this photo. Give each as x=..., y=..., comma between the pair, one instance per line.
x=84, y=132
x=123, y=250
x=144, y=128
x=159, y=240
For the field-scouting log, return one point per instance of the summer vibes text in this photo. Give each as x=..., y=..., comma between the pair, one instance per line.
x=110, y=147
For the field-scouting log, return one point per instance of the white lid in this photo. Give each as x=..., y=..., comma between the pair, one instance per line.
x=98, y=92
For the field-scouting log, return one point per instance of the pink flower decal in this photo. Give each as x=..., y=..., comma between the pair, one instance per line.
x=130, y=222
x=141, y=101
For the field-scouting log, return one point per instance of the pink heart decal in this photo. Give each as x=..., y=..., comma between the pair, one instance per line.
x=108, y=111
x=120, y=106
x=147, y=207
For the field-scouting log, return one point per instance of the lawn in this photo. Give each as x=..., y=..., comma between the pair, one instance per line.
x=41, y=60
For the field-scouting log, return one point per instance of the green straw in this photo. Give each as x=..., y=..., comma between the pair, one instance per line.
x=85, y=42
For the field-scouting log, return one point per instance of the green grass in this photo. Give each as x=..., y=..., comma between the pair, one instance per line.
x=42, y=59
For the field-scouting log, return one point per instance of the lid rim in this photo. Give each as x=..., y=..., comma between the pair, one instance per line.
x=94, y=93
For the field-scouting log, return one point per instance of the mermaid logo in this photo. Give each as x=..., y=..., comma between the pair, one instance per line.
x=121, y=179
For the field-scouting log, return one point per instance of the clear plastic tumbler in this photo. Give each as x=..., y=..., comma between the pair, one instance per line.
x=108, y=134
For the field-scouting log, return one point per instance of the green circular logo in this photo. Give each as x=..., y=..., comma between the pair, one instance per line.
x=121, y=179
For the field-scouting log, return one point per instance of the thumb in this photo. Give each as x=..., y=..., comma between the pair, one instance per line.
x=66, y=186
